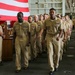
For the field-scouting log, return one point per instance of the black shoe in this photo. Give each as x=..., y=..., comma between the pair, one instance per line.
x=50, y=73
x=56, y=69
x=1, y=63
x=17, y=71
x=33, y=59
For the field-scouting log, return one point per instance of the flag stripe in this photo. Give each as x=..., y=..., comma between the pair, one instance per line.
x=22, y=1
x=12, y=13
x=14, y=3
x=9, y=7
x=11, y=18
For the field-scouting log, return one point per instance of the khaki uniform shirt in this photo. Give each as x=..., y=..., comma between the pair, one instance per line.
x=52, y=27
x=63, y=26
x=67, y=25
x=21, y=29
x=39, y=27
x=33, y=27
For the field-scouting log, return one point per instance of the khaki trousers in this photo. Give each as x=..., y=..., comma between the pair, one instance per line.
x=20, y=46
x=33, y=46
x=1, y=48
x=44, y=45
x=61, y=48
x=39, y=44
x=29, y=52
x=53, y=52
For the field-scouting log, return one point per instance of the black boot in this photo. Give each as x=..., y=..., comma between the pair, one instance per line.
x=51, y=73
x=1, y=63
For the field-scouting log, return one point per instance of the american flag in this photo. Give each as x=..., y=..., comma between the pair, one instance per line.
x=10, y=8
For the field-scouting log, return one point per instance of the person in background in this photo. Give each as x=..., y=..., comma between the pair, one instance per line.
x=1, y=40
x=41, y=18
x=58, y=16
x=38, y=34
x=63, y=37
x=69, y=25
x=33, y=27
x=45, y=16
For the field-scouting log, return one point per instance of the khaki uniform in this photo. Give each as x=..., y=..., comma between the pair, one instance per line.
x=33, y=27
x=43, y=42
x=52, y=28
x=67, y=29
x=1, y=31
x=61, y=39
x=21, y=41
x=39, y=39
x=29, y=51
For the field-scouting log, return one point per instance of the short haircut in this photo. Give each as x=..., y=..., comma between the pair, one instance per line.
x=30, y=16
x=19, y=13
x=52, y=9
